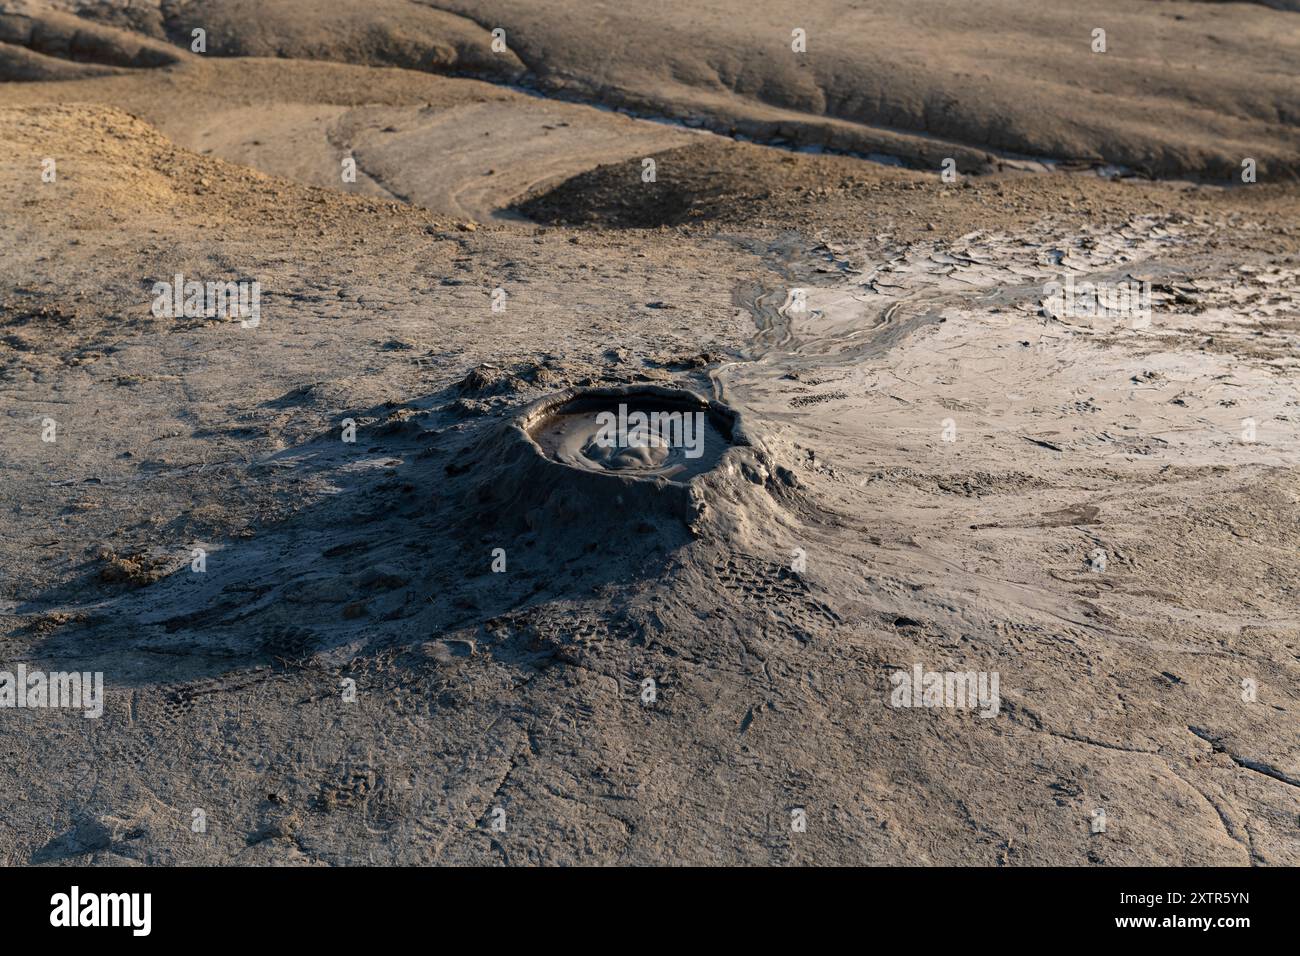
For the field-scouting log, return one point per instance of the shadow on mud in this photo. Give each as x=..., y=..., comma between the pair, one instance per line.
x=418, y=537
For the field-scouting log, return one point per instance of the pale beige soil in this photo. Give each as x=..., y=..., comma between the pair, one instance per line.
x=1182, y=87
x=329, y=561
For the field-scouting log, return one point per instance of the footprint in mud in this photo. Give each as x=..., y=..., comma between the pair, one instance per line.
x=159, y=714
x=162, y=713
x=133, y=747
x=364, y=790
x=1062, y=647
x=352, y=788
x=290, y=647
x=176, y=705
x=411, y=681
x=781, y=593
x=559, y=634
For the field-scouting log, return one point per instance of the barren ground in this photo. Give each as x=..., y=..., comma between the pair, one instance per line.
x=946, y=451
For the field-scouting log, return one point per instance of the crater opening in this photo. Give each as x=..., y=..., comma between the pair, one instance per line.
x=599, y=468
x=649, y=431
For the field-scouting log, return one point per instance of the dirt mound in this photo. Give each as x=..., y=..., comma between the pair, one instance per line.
x=713, y=180
x=534, y=472
x=379, y=33
x=717, y=183
x=109, y=163
x=40, y=44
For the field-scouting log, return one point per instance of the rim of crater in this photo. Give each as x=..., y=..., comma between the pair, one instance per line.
x=726, y=419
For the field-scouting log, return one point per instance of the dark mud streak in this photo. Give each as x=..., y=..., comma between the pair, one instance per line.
x=1256, y=765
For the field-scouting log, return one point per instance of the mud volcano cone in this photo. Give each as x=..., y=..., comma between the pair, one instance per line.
x=620, y=457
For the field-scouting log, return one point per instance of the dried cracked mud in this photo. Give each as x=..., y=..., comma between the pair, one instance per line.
x=363, y=588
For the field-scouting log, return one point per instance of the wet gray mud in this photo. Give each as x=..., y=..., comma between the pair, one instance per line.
x=640, y=433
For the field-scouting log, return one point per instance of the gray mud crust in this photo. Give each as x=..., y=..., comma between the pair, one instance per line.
x=364, y=593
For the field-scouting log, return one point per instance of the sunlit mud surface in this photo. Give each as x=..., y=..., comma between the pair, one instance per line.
x=352, y=605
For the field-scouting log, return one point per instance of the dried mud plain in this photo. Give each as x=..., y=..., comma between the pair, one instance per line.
x=937, y=454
